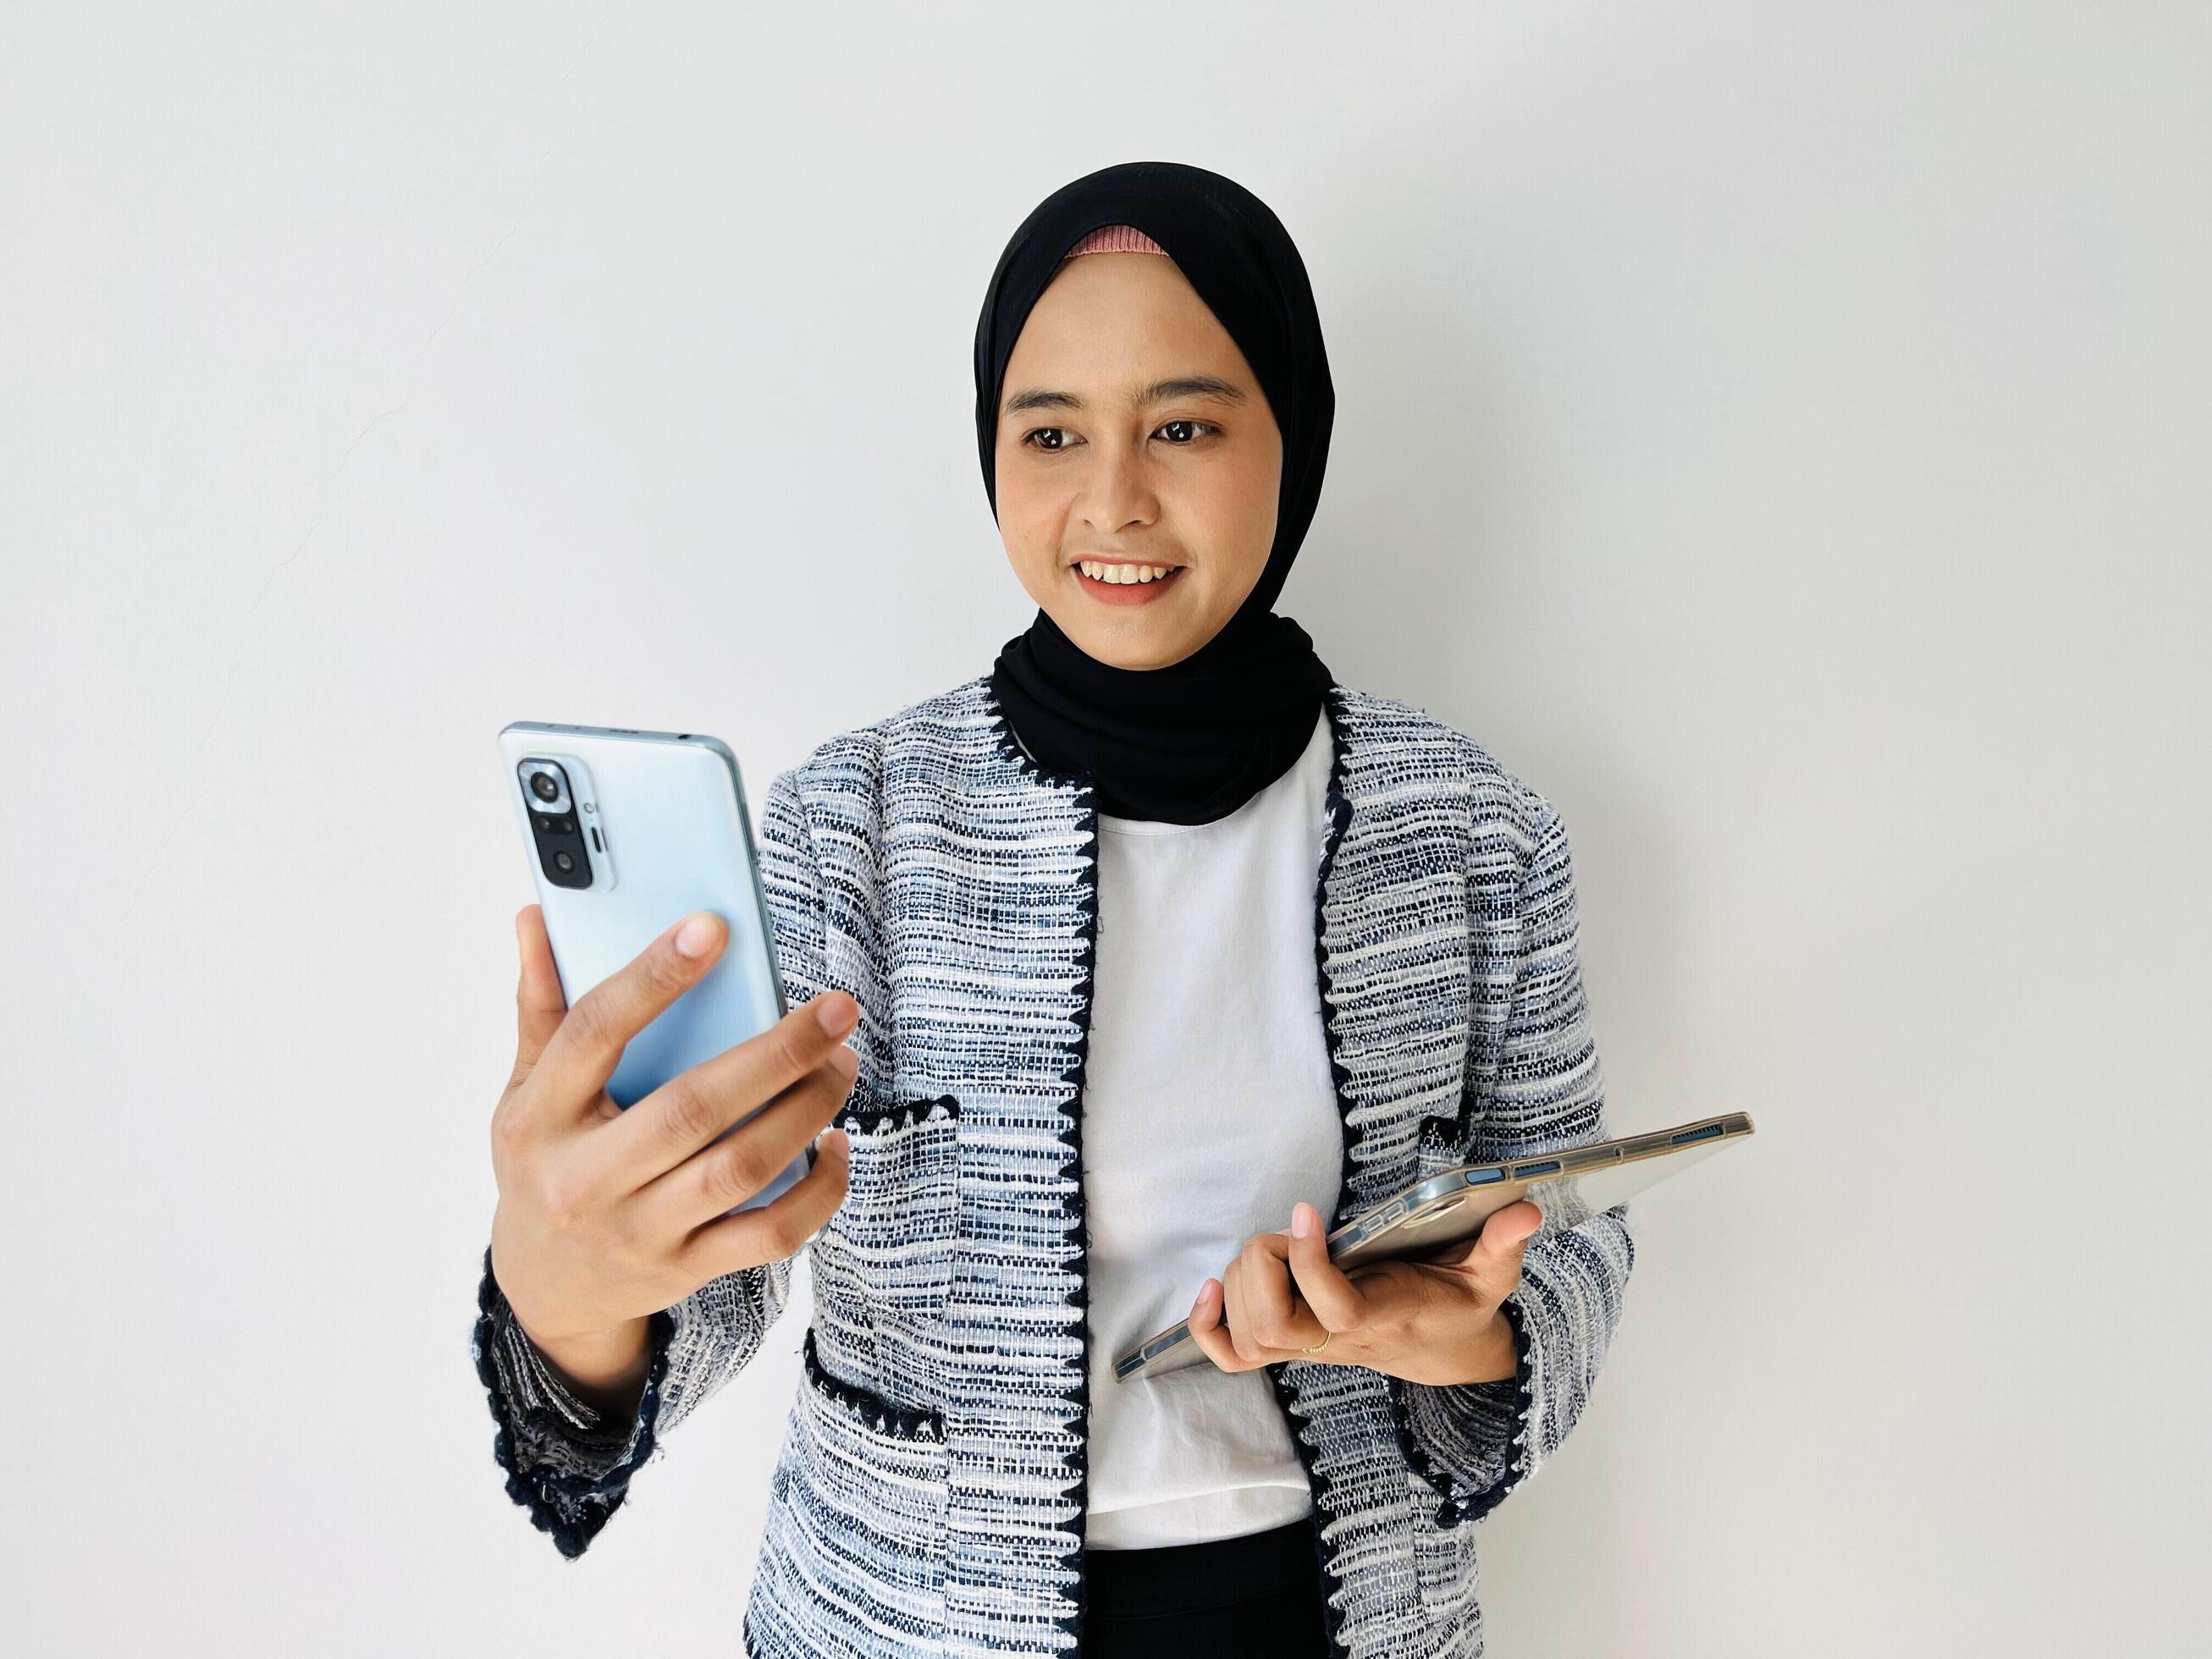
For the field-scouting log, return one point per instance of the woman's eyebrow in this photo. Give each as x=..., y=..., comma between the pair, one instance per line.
x=1186, y=385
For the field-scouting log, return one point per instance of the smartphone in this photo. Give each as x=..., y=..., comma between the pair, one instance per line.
x=1569, y=1186
x=628, y=832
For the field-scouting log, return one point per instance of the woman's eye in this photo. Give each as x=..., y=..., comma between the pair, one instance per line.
x=1195, y=427
x=1058, y=436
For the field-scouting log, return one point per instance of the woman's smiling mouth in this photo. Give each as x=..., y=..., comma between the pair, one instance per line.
x=1121, y=581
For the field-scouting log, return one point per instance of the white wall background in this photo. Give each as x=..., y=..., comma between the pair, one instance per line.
x=1778, y=432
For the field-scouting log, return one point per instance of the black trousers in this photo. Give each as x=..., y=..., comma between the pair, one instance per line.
x=1254, y=1597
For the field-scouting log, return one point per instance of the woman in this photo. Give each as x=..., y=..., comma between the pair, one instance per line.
x=1168, y=954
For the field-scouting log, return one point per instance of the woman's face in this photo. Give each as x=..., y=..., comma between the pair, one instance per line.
x=1131, y=430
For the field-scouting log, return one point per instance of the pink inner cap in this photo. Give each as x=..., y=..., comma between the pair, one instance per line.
x=1116, y=239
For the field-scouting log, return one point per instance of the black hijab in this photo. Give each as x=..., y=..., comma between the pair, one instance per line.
x=1194, y=741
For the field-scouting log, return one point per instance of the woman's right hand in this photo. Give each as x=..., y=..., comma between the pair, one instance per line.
x=607, y=1216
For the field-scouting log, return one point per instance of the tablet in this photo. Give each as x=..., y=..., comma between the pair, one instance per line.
x=1568, y=1186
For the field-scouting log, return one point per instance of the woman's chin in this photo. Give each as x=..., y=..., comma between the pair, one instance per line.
x=1132, y=640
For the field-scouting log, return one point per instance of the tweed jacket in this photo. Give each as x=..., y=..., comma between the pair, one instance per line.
x=928, y=1493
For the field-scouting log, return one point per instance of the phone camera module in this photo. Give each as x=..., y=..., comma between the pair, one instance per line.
x=561, y=853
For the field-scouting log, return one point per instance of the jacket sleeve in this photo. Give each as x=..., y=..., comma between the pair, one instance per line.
x=1475, y=1442
x=568, y=1464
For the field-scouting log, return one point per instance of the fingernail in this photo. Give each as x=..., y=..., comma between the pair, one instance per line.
x=837, y=1013
x=846, y=1062
x=1301, y=1220
x=697, y=935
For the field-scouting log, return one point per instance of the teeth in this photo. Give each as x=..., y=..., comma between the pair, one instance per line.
x=1124, y=574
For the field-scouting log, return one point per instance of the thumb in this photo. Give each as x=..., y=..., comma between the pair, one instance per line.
x=1496, y=1260
x=538, y=1001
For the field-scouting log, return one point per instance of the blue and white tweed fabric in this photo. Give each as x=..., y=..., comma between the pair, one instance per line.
x=928, y=1495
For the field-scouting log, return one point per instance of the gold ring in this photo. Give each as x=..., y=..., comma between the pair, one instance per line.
x=1319, y=1346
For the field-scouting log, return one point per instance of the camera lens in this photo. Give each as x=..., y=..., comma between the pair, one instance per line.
x=544, y=785
x=564, y=862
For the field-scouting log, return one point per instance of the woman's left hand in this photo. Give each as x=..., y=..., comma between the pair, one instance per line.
x=1427, y=1319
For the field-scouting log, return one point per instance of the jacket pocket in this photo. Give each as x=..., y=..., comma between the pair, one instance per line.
x=853, y=1551
x=895, y=1240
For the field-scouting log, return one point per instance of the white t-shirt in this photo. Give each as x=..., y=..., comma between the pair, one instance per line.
x=1208, y=1111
